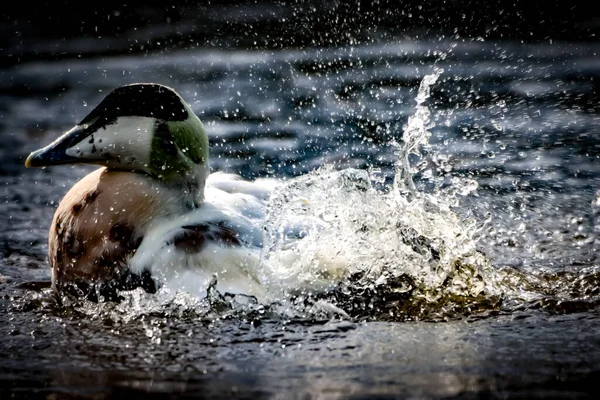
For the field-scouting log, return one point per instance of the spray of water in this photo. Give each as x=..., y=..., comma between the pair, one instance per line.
x=331, y=234
x=416, y=137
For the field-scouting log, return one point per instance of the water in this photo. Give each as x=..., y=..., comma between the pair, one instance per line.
x=483, y=257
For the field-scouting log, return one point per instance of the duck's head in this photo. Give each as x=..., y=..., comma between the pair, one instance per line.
x=143, y=127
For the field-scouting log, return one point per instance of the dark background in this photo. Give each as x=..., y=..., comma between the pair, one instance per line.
x=45, y=30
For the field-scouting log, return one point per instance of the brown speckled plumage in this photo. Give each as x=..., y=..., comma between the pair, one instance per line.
x=100, y=223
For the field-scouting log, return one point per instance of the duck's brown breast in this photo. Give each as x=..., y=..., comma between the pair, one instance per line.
x=99, y=224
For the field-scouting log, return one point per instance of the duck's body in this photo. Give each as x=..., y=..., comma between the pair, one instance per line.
x=104, y=219
x=221, y=239
x=152, y=210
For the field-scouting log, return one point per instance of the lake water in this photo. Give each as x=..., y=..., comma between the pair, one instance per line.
x=509, y=160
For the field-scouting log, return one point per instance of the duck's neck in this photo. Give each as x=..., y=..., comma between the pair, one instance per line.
x=188, y=190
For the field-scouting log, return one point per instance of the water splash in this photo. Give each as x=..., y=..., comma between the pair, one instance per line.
x=415, y=137
x=331, y=234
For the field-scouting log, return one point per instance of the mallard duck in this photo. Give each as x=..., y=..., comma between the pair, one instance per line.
x=152, y=210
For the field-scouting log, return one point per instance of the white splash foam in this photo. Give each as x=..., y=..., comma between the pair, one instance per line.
x=348, y=227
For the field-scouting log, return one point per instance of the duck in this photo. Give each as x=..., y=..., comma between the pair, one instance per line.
x=152, y=214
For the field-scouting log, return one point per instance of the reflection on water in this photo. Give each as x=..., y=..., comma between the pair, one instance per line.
x=519, y=120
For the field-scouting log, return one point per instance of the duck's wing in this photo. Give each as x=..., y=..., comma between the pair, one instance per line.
x=186, y=252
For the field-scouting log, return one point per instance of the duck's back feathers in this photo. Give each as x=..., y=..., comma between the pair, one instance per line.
x=261, y=189
x=233, y=195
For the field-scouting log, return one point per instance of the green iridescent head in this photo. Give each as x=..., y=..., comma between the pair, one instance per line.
x=143, y=127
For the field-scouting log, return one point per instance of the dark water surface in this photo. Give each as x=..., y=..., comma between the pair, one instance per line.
x=521, y=119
